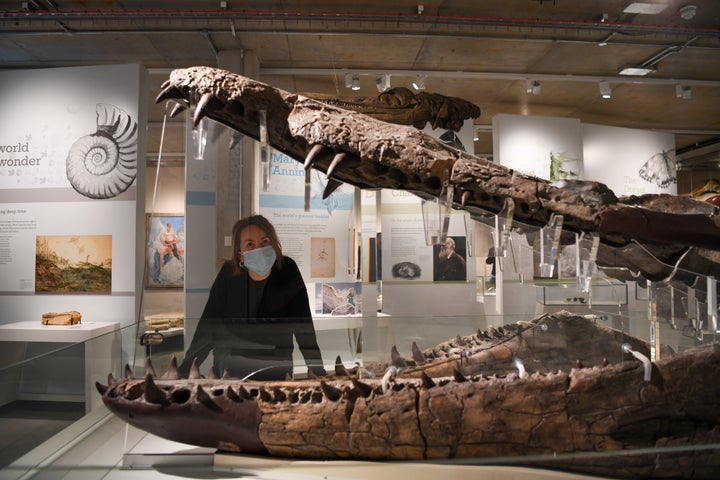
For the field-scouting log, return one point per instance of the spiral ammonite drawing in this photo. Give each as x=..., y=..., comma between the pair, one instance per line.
x=104, y=164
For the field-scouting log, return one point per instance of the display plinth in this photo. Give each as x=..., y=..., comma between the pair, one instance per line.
x=153, y=452
x=99, y=344
x=267, y=467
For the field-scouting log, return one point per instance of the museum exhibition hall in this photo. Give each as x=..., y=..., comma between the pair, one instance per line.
x=288, y=239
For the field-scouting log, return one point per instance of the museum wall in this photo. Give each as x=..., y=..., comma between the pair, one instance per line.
x=71, y=215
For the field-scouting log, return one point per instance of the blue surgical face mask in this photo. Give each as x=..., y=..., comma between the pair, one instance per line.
x=260, y=260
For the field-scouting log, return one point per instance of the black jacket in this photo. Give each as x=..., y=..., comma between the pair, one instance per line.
x=229, y=329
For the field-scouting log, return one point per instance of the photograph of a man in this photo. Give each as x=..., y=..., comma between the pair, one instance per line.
x=450, y=261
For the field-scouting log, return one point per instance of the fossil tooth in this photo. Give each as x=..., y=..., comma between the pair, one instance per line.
x=202, y=107
x=331, y=186
x=128, y=371
x=426, y=380
x=101, y=388
x=466, y=195
x=340, y=369
x=242, y=391
x=111, y=379
x=396, y=358
x=458, y=376
x=205, y=399
x=312, y=154
x=226, y=374
x=578, y=363
x=177, y=109
x=194, y=371
x=149, y=367
x=233, y=396
x=390, y=374
x=337, y=159
x=152, y=393
x=459, y=341
x=418, y=355
x=606, y=362
x=212, y=375
x=332, y=393
x=311, y=375
x=265, y=395
x=280, y=396
x=168, y=92
x=362, y=388
x=172, y=371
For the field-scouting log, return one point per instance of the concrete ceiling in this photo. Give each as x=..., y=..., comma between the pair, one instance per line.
x=483, y=51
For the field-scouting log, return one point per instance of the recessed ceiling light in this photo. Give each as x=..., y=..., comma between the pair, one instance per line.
x=688, y=12
x=637, y=70
x=645, y=8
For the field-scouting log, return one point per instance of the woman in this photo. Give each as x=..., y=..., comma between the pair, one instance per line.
x=256, y=304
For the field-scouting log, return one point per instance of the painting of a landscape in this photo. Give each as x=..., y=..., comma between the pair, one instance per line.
x=73, y=263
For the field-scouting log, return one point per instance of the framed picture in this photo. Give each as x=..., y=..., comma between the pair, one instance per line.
x=165, y=250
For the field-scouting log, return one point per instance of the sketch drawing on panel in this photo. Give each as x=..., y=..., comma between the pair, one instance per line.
x=660, y=169
x=104, y=164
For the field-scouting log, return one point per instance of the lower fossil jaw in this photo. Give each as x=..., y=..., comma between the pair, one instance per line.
x=581, y=416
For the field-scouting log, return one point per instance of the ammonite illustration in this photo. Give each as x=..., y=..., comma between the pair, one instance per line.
x=406, y=270
x=104, y=164
x=661, y=169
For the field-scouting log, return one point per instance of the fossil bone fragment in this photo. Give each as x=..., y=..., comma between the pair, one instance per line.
x=639, y=235
x=569, y=418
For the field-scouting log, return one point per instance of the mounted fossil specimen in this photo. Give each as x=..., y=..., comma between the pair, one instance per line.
x=639, y=236
x=561, y=388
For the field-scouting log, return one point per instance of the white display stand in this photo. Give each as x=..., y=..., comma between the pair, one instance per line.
x=101, y=346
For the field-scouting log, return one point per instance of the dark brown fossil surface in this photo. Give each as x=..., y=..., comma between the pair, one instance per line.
x=659, y=237
x=557, y=392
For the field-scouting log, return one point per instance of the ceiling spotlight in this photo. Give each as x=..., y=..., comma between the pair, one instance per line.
x=683, y=91
x=352, y=80
x=533, y=86
x=688, y=12
x=605, y=91
x=348, y=80
x=383, y=82
x=419, y=83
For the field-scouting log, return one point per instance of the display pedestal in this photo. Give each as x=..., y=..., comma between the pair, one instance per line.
x=58, y=362
x=153, y=452
x=274, y=468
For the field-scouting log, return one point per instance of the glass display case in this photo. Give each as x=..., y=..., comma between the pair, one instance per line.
x=101, y=445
